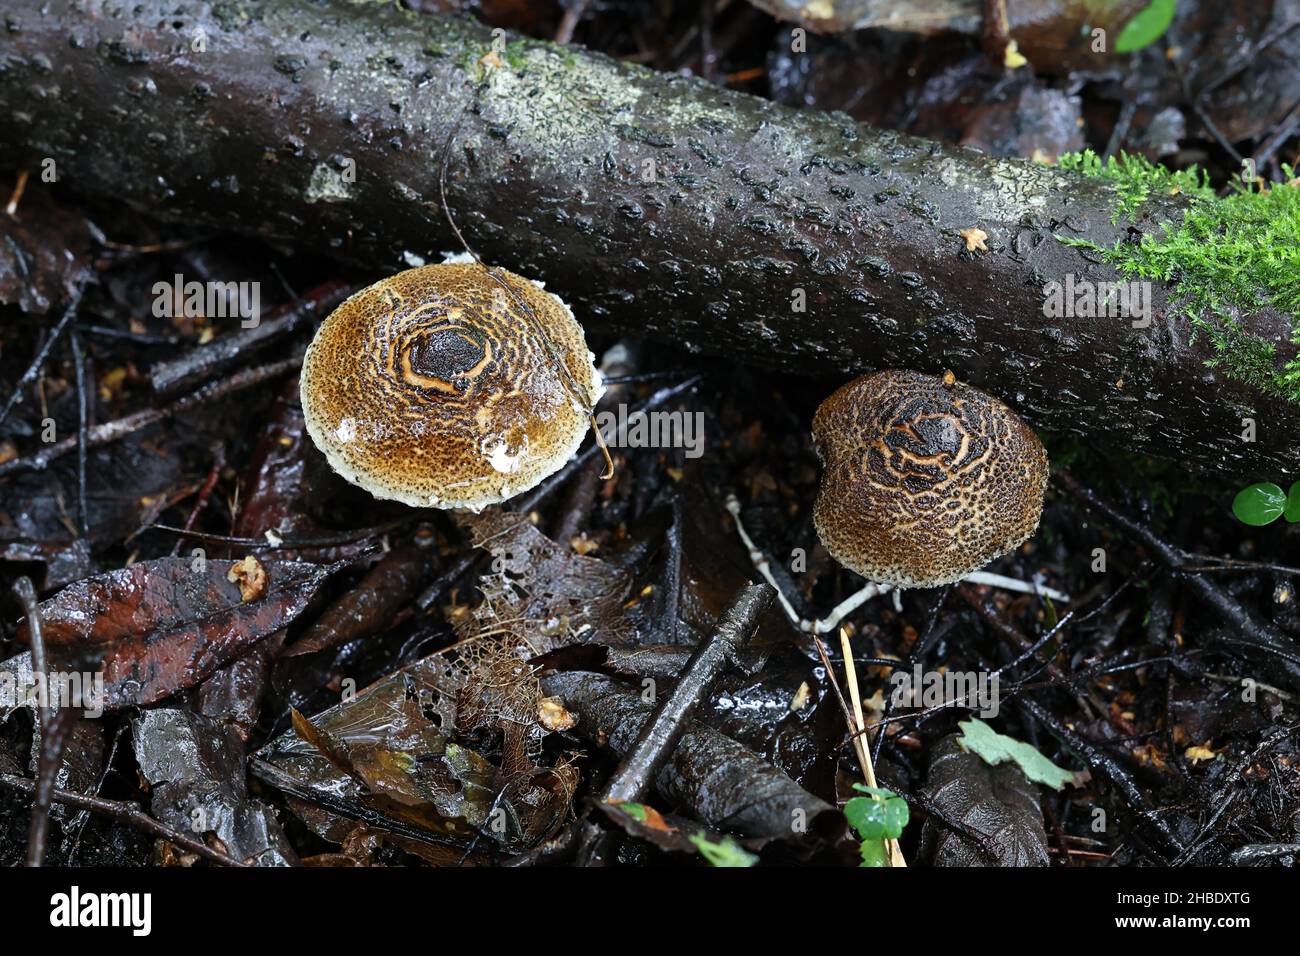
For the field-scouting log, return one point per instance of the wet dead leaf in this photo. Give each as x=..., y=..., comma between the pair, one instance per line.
x=390, y=751
x=162, y=626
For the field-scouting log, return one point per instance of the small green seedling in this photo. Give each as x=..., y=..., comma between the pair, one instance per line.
x=1265, y=502
x=724, y=853
x=878, y=817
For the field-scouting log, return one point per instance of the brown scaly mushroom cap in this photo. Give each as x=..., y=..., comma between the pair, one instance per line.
x=926, y=479
x=450, y=386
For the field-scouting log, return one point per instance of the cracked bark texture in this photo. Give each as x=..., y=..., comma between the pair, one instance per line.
x=653, y=203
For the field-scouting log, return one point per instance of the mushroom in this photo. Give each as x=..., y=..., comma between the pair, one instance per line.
x=449, y=386
x=926, y=481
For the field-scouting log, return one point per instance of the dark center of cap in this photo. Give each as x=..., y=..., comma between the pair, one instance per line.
x=444, y=355
x=918, y=453
x=938, y=434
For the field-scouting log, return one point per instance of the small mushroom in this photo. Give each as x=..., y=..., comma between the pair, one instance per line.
x=926, y=479
x=449, y=386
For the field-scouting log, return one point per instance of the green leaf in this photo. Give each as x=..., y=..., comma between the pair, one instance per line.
x=726, y=853
x=877, y=819
x=881, y=792
x=873, y=854
x=1292, y=510
x=995, y=748
x=1259, y=504
x=1146, y=26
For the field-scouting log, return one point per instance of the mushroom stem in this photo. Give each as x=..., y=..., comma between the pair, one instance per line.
x=868, y=591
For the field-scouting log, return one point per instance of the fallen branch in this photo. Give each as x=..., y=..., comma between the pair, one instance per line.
x=120, y=428
x=653, y=202
x=659, y=734
x=714, y=778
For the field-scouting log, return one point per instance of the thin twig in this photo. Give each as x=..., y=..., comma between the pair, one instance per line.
x=34, y=369
x=288, y=543
x=124, y=812
x=665, y=725
x=120, y=428
x=83, y=431
x=45, y=725
x=202, y=362
x=205, y=492
x=1251, y=633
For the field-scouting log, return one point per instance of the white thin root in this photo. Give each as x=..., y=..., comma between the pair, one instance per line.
x=871, y=590
x=1015, y=584
x=846, y=607
x=759, y=560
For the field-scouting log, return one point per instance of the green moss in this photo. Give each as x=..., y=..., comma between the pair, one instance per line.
x=1228, y=256
x=1135, y=178
x=233, y=16
x=516, y=54
x=513, y=57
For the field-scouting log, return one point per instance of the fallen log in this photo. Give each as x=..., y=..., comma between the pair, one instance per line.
x=653, y=203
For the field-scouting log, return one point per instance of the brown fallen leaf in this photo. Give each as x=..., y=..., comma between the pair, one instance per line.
x=162, y=626
x=389, y=750
x=371, y=606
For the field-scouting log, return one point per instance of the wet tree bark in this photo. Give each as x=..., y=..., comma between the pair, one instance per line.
x=653, y=203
